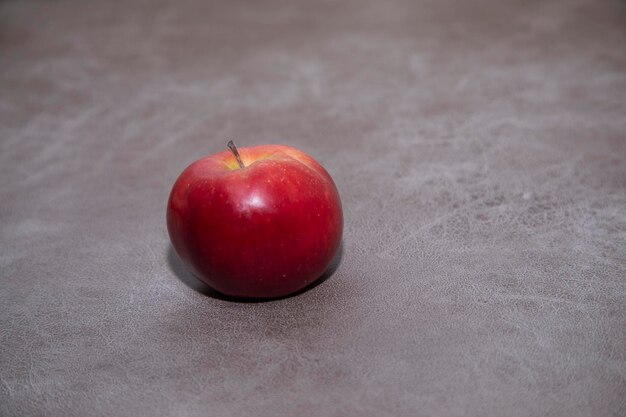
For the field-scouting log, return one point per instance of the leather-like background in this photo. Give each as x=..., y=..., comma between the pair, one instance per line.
x=480, y=150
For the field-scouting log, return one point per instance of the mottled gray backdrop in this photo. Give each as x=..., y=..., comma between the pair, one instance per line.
x=480, y=150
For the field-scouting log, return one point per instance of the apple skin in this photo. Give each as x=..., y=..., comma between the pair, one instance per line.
x=263, y=231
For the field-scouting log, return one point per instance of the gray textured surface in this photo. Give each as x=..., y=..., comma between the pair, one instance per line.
x=480, y=150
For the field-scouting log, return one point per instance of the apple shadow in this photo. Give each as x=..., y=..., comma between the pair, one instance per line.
x=187, y=278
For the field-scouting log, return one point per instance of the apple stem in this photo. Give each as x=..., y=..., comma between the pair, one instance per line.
x=233, y=148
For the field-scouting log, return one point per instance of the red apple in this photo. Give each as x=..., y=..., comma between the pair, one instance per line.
x=256, y=222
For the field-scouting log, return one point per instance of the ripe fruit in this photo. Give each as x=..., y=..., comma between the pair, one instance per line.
x=256, y=222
